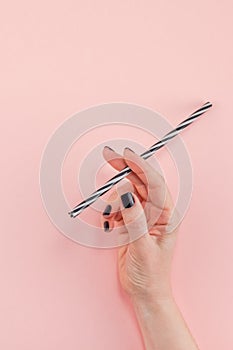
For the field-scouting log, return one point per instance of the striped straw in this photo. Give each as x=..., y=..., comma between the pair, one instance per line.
x=123, y=173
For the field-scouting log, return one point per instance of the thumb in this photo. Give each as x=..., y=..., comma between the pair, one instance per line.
x=135, y=221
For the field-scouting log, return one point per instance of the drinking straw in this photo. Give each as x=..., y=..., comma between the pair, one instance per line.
x=123, y=173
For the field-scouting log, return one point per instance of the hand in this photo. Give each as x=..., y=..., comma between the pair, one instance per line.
x=145, y=210
x=145, y=263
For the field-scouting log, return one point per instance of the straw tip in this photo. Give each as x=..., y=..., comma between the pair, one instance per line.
x=209, y=104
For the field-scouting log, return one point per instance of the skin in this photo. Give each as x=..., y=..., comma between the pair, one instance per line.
x=144, y=264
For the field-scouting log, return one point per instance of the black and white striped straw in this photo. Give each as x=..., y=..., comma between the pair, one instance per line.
x=123, y=173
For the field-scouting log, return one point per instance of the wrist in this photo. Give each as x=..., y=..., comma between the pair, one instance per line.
x=147, y=310
x=155, y=294
x=150, y=301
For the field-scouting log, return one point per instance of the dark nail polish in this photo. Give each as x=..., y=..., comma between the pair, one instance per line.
x=127, y=200
x=129, y=149
x=109, y=148
x=107, y=210
x=106, y=226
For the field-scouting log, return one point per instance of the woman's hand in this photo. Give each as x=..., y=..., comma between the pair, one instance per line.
x=144, y=264
x=147, y=215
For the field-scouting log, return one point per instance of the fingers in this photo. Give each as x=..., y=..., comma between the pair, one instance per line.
x=119, y=163
x=157, y=190
x=114, y=158
x=111, y=215
x=143, y=176
x=135, y=221
x=111, y=212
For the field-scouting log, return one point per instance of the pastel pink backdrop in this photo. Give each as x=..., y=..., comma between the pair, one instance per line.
x=58, y=58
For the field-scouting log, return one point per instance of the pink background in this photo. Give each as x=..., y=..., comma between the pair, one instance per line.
x=58, y=57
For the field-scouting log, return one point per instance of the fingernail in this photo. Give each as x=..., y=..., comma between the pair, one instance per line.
x=107, y=210
x=129, y=149
x=127, y=200
x=109, y=148
x=106, y=226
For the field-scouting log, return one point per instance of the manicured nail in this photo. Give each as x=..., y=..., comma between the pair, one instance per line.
x=107, y=210
x=109, y=148
x=129, y=149
x=127, y=200
x=106, y=226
